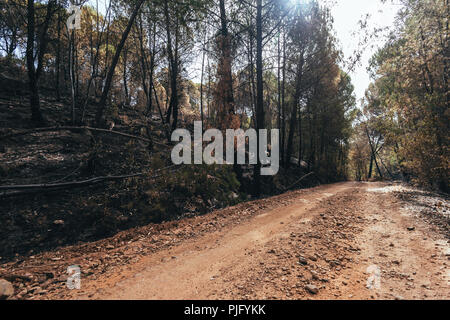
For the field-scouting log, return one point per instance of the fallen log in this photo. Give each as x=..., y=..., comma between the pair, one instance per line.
x=69, y=184
x=54, y=129
x=33, y=188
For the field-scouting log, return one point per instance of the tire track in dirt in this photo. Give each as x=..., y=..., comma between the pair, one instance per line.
x=200, y=269
x=325, y=246
x=406, y=254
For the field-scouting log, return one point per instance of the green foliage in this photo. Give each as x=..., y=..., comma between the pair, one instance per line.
x=408, y=104
x=188, y=190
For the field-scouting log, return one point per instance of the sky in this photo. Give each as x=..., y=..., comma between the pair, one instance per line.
x=346, y=14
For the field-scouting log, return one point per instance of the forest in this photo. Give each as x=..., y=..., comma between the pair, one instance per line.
x=405, y=114
x=91, y=92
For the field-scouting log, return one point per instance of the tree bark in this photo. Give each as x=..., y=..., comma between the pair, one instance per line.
x=293, y=120
x=173, y=70
x=33, y=72
x=259, y=93
x=109, y=77
x=226, y=109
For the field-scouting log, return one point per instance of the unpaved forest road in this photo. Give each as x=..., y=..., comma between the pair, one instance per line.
x=331, y=238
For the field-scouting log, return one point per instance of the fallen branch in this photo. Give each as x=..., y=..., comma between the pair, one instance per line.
x=299, y=180
x=30, y=188
x=69, y=184
x=54, y=129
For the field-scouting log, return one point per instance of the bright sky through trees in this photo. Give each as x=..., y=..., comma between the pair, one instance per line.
x=346, y=14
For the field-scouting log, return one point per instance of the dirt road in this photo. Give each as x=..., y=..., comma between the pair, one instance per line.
x=342, y=241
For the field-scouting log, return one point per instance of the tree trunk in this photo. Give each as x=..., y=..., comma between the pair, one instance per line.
x=373, y=155
x=72, y=74
x=36, y=115
x=293, y=120
x=173, y=71
x=201, y=82
x=283, y=103
x=58, y=58
x=125, y=82
x=259, y=93
x=226, y=109
x=109, y=77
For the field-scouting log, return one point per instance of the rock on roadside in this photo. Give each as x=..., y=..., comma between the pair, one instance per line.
x=311, y=289
x=6, y=289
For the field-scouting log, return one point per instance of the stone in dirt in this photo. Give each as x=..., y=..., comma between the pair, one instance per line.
x=6, y=289
x=314, y=275
x=311, y=289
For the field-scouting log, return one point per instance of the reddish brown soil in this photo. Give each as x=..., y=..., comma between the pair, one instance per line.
x=331, y=239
